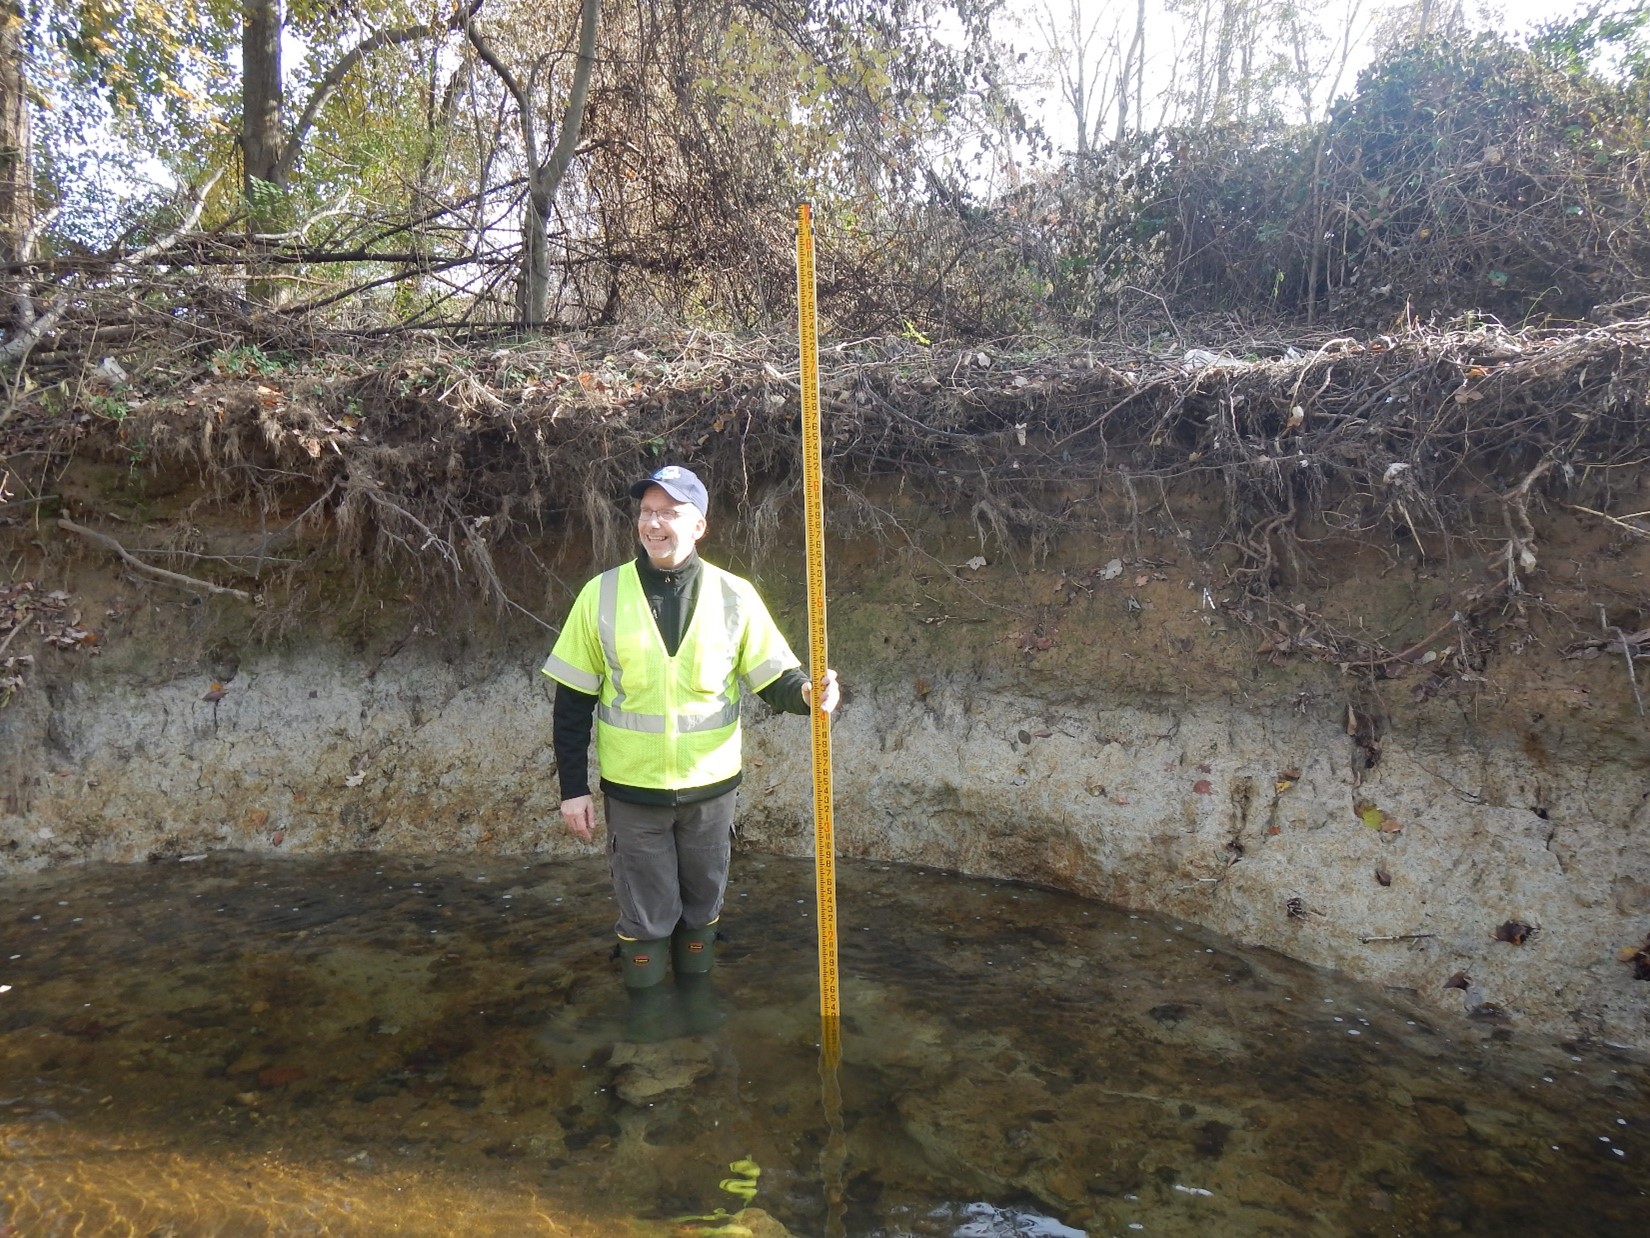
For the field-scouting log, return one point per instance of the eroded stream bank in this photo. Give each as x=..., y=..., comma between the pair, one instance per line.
x=1467, y=827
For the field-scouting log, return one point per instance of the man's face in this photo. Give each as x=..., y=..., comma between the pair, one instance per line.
x=669, y=530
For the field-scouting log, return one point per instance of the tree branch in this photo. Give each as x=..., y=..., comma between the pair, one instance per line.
x=37, y=325
x=126, y=556
x=197, y=202
x=573, y=116
x=325, y=88
x=489, y=57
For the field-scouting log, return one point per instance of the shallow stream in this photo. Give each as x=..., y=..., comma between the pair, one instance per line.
x=363, y=1044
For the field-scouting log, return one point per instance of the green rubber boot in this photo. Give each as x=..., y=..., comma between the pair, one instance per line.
x=693, y=951
x=651, y=1016
x=696, y=1001
x=644, y=962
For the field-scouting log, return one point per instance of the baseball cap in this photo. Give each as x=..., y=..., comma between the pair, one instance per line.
x=679, y=483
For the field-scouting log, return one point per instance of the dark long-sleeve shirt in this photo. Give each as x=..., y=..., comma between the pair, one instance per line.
x=672, y=596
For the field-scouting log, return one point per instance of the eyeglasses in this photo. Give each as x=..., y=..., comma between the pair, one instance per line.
x=664, y=515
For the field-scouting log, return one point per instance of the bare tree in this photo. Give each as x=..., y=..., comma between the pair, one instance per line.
x=1320, y=59
x=544, y=174
x=1083, y=70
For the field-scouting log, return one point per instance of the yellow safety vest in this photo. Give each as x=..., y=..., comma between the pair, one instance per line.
x=665, y=722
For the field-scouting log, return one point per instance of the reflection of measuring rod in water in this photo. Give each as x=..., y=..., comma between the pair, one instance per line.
x=834, y=1156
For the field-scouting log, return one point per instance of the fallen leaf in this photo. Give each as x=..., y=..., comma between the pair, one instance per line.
x=279, y=1076
x=1391, y=825
x=1513, y=931
x=215, y=693
x=1120, y=799
x=1384, y=877
x=1460, y=980
x=1369, y=814
x=277, y=838
x=1274, y=829
x=355, y=780
x=1282, y=785
x=1203, y=787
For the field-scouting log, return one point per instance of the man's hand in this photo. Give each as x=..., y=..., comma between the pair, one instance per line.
x=833, y=694
x=580, y=815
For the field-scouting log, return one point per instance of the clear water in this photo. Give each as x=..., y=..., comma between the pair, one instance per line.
x=365, y=1044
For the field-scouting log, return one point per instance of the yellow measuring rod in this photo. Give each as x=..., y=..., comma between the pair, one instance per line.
x=813, y=491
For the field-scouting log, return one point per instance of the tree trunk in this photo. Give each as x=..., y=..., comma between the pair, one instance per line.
x=546, y=178
x=1423, y=22
x=16, y=144
x=1130, y=75
x=261, y=98
x=1225, y=40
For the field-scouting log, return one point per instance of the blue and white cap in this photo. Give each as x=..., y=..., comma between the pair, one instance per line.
x=679, y=483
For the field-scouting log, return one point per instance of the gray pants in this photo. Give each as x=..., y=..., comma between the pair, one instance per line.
x=669, y=863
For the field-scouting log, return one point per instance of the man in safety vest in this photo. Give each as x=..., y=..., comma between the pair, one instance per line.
x=653, y=653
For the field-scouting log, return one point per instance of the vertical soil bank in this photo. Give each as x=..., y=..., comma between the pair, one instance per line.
x=1115, y=717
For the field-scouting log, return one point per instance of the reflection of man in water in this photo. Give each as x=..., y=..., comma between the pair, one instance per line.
x=654, y=651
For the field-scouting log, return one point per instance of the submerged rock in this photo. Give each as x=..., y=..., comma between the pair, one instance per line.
x=647, y=1071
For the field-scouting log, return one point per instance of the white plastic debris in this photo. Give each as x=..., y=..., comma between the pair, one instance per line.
x=986, y=1221
x=1201, y=358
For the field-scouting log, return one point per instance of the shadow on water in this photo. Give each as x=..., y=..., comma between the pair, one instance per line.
x=364, y=1044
